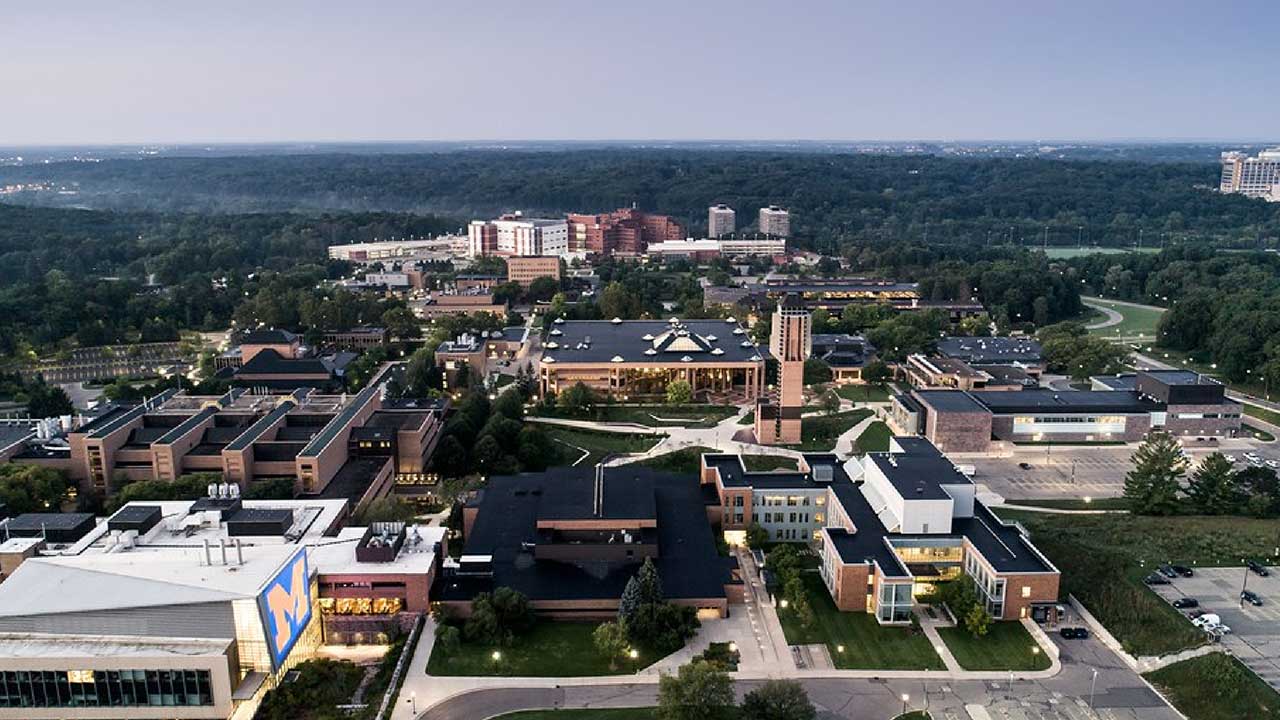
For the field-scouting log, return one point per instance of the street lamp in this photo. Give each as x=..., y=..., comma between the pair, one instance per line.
x=413, y=701
x=497, y=655
x=1093, y=684
x=905, y=699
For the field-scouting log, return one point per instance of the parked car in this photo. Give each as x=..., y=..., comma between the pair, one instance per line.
x=1074, y=633
x=1185, y=603
x=1258, y=568
x=1251, y=597
x=1217, y=629
x=1273, y=464
x=1167, y=571
x=1155, y=578
x=1193, y=614
x=1230, y=458
x=1207, y=619
x=1024, y=465
x=1183, y=570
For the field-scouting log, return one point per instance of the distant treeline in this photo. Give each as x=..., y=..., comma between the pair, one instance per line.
x=836, y=199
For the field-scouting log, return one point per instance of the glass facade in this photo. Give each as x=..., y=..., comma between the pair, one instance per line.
x=104, y=688
x=894, y=603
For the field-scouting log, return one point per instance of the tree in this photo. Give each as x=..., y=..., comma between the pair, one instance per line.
x=698, y=691
x=401, y=323
x=47, y=400
x=542, y=289
x=830, y=402
x=649, y=582
x=498, y=617
x=448, y=639
x=778, y=700
x=185, y=487
x=1152, y=486
x=1263, y=490
x=977, y=621
x=275, y=489
x=816, y=371
x=31, y=488
x=450, y=458
x=1212, y=489
x=611, y=642
x=797, y=598
x=876, y=372
x=679, y=392
x=386, y=509
x=757, y=536
x=577, y=398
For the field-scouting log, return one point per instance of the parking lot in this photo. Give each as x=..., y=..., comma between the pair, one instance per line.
x=1255, y=631
x=1077, y=471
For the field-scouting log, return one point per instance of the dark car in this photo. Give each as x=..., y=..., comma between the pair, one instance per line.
x=1258, y=568
x=1186, y=603
x=1155, y=578
x=1024, y=466
x=1074, y=633
x=1251, y=597
x=1167, y=571
x=1183, y=570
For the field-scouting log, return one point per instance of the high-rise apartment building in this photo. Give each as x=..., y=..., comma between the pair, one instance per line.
x=791, y=342
x=514, y=234
x=721, y=221
x=625, y=232
x=775, y=221
x=1255, y=177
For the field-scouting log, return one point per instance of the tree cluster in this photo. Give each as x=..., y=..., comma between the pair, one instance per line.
x=1155, y=485
x=648, y=620
x=1069, y=349
x=701, y=691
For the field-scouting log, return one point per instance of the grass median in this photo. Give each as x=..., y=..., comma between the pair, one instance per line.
x=1006, y=646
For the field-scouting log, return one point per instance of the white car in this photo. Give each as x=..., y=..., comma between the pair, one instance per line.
x=1217, y=629
x=1206, y=620
x=1230, y=458
x=1273, y=464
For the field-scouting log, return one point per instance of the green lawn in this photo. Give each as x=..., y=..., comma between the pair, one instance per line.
x=591, y=714
x=867, y=644
x=686, y=461
x=1073, y=503
x=748, y=419
x=1006, y=646
x=569, y=644
x=819, y=433
x=864, y=393
x=766, y=463
x=1065, y=253
x=1258, y=433
x=650, y=415
x=599, y=444
x=1216, y=687
x=874, y=439
x=1103, y=559
x=1138, y=321
x=1264, y=414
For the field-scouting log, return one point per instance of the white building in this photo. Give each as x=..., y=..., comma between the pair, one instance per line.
x=515, y=234
x=721, y=221
x=775, y=221
x=1255, y=177
x=438, y=247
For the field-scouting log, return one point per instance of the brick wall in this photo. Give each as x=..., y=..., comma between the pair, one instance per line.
x=959, y=431
x=1041, y=587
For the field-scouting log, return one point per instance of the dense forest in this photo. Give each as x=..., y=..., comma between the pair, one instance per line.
x=836, y=199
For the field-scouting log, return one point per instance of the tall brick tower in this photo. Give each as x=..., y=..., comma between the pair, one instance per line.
x=791, y=342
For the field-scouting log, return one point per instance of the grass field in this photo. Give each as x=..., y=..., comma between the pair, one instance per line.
x=1257, y=433
x=1073, y=503
x=864, y=393
x=820, y=433
x=1216, y=687
x=874, y=439
x=1103, y=559
x=1138, y=321
x=765, y=463
x=598, y=444
x=1006, y=646
x=684, y=461
x=748, y=419
x=866, y=644
x=1264, y=414
x=1065, y=253
x=651, y=415
x=569, y=643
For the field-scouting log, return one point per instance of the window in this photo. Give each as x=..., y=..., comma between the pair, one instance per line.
x=104, y=688
x=1026, y=591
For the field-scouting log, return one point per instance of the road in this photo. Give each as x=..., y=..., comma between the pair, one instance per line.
x=1113, y=317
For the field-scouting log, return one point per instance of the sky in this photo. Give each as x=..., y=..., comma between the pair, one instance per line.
x=168, y=71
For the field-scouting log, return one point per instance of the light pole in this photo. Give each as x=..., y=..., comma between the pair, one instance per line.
x=1093, y=684
x=905, y=699
x=413, y=702
x=1244, y=585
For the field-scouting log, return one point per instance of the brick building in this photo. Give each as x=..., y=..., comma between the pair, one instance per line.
x=524, y=270
x=791, y=343
x=622, y=232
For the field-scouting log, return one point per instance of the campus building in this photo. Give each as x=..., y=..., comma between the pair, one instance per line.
x=721, y=221
x=442, y=247
x=317, y=440
x=791, y=342
x=523, y=270
x=845, y=354
x=570, y=540
x=1021, y=352
x=196, y=609
x=833, y=294
x=775, y=221
x=706, y=250
x=943, y=372
x=468, y=356
x=516, y=235
x=631, y=359
x=1180, y=402
x=622, y=232
x=887, y=529
x=1255, y=177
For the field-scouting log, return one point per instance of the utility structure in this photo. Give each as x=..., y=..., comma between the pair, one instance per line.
x=791, y=342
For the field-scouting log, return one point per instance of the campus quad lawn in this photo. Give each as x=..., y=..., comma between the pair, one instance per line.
x=1103, y=559
x=820, y=432
x=864, y=393
x=1216, y=687
x=686, y=461
x=548, y=649
x=874, y=439
x=765, y=463
x=670, y=415
x=1137, y=320
x=1006, y=646
x=598, y=444
x=867, y=644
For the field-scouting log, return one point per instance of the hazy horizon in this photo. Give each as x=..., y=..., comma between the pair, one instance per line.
x=142, y=72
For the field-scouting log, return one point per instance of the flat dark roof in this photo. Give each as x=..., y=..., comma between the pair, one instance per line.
x=1072, y=401
x=949, y=400
x=50, y=521
x=703, y=341
x=919, y=475
x=982, y=350
x=1178, y=377
x=734, y=474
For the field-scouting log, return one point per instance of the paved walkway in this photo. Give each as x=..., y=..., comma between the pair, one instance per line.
x=1113, y=317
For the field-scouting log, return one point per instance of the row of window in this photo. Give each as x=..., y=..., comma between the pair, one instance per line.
x=104, y=688
x=788, y=517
